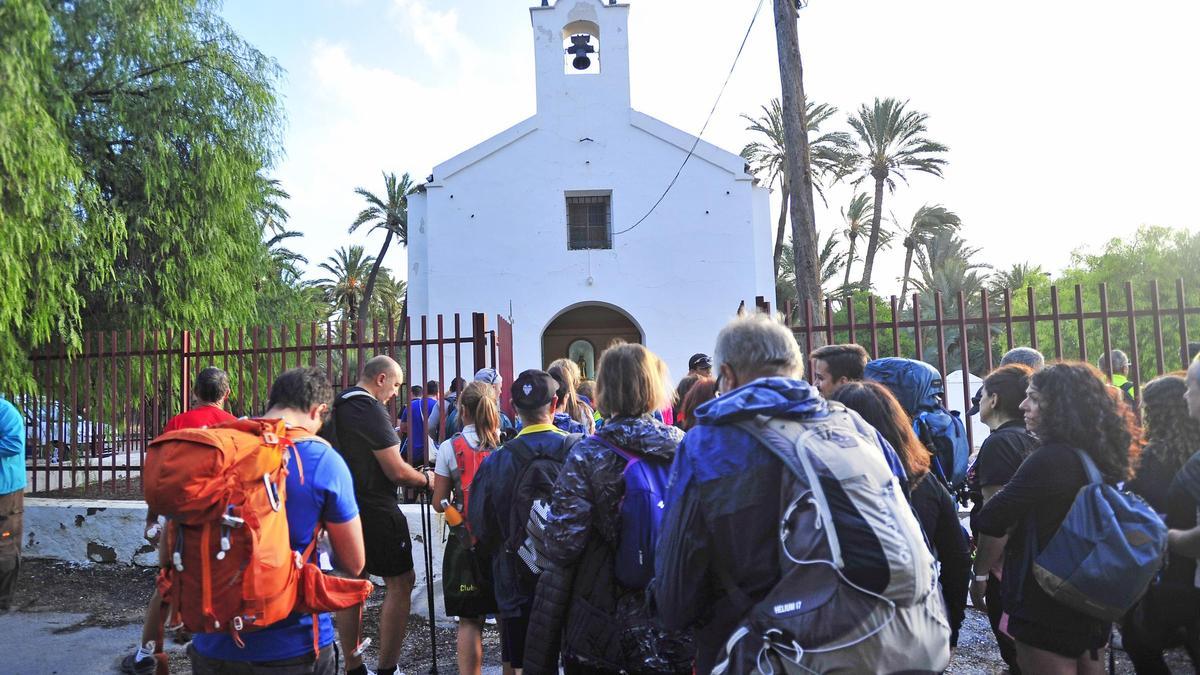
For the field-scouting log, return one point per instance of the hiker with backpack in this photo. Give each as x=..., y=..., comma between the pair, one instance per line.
x=787, y=542
x=361, y=429
x=466, y=577
x=514, y=481
x=1169, y=478
x=1001, y=454
x=600, y=534
x=933, y=505
x=439, y=430
x=1069, y=567
x=241, y=573
x=1115, y=365
x=920, y=390
x=211, y=391
x=835, y=365
x=573, y=415
x=491, y=377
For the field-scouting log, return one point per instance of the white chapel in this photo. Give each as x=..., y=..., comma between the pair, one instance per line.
x=534, y=222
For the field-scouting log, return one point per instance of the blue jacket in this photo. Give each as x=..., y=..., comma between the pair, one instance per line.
x=723, y=505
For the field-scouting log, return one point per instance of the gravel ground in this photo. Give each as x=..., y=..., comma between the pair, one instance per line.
x=116, y=595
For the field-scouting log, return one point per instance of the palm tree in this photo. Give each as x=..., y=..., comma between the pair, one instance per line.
x=829, y=258
x=890, y=142
x=1020, y=275
x=768, y=157
x=857, y=215
x=349, y=267
x=389, y=213
x=388, y=301
x=927, y=223
x=946, y=265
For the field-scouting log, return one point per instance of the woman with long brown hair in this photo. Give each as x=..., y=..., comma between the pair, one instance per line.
x=1172, y=604
x=458, y=459
x=1068, y=407
x=570, y=408
x=932, y=503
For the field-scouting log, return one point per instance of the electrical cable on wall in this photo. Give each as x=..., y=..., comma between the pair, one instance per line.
x=703, y=128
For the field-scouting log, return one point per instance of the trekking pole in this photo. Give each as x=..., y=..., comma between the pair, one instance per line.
x=427, y=534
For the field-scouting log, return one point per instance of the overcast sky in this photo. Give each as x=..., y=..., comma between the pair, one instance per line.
x=1069, y=122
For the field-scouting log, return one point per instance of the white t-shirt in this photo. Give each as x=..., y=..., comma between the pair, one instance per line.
x=446, y=463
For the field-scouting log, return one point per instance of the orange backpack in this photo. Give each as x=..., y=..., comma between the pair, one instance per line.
x=468, y=460
x=230, y=564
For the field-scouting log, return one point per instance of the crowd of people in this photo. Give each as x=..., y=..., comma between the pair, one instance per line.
x=742, y=520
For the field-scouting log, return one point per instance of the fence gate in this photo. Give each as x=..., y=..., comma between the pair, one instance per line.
x=92, y=414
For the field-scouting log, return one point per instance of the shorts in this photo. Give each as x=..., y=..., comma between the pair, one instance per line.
x=1070, y=641
x=12, y=516
x=386, y=539
x=324, y=664
x=512, y=640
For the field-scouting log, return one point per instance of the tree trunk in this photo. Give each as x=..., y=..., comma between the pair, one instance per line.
x=779, y=229
x=387, y=241
x=873, y=240
x=849, y=261
x=798, y=169
x=908, y=255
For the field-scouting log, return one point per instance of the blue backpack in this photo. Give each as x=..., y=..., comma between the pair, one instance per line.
x=642, y=511
x=1106, y=552
x=918, y=386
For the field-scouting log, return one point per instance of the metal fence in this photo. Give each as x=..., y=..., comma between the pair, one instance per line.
x=1155, y=326
x=92, y=413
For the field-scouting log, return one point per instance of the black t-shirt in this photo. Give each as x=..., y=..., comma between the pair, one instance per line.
x=1182, y=506
x=362, y=427
x=1153, y=479
x=1002, y=453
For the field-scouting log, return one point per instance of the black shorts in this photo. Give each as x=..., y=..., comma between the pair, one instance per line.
x=1070, y=641
x=386, y=539
x=512, y=640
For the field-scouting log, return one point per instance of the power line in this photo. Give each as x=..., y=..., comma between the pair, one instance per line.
x=692, y=151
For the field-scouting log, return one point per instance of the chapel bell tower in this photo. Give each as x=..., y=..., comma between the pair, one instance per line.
x=581, y=52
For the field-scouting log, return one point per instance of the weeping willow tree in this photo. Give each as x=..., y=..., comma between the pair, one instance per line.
x=134, y=135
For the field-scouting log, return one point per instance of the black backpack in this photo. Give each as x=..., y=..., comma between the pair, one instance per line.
x=536, y=474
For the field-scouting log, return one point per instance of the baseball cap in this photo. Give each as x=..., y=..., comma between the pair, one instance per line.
x=700, y=361
x=488, y=375
x=533, y=389
x=975, y=402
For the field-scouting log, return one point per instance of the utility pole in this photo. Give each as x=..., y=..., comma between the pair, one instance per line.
x=799, y=171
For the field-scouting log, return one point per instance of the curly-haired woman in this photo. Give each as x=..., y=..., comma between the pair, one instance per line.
x=1069, y=407
x=1171, y=437
x=1173, y=603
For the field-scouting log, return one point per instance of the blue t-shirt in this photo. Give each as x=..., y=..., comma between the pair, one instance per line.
x=12, y=449
x=416, y=424
x=327, y=496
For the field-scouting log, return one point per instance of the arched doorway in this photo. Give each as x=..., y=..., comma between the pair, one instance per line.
x=582, y=334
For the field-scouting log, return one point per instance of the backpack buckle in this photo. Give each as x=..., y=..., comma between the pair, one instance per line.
x=270, y=438
x=237, y=623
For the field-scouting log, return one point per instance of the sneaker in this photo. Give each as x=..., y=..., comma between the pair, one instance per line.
x=131, y=666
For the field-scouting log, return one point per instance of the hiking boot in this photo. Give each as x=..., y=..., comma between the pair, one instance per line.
x=132, y=666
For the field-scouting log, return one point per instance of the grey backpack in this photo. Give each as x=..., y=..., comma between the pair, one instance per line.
x=858, y=590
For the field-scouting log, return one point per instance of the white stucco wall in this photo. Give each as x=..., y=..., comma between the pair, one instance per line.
x=491, y=227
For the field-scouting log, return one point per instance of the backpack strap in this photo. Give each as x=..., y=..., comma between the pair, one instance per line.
x=796, y=459
x=1089, y=467
x=629, y=456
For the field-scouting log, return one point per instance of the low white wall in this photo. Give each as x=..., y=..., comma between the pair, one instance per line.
x=109, y=531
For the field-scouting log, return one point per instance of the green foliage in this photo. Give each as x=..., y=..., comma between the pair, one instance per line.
x=389, y=213
x=60, y=236
x=349, y=268
x=133, y=134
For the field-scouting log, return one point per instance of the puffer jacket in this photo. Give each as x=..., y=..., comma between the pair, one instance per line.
x=722, y=515
x=598, y=622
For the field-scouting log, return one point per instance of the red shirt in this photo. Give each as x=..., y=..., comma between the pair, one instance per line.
x=198, y=418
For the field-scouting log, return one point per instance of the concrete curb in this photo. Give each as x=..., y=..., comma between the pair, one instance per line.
x=94, y=531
